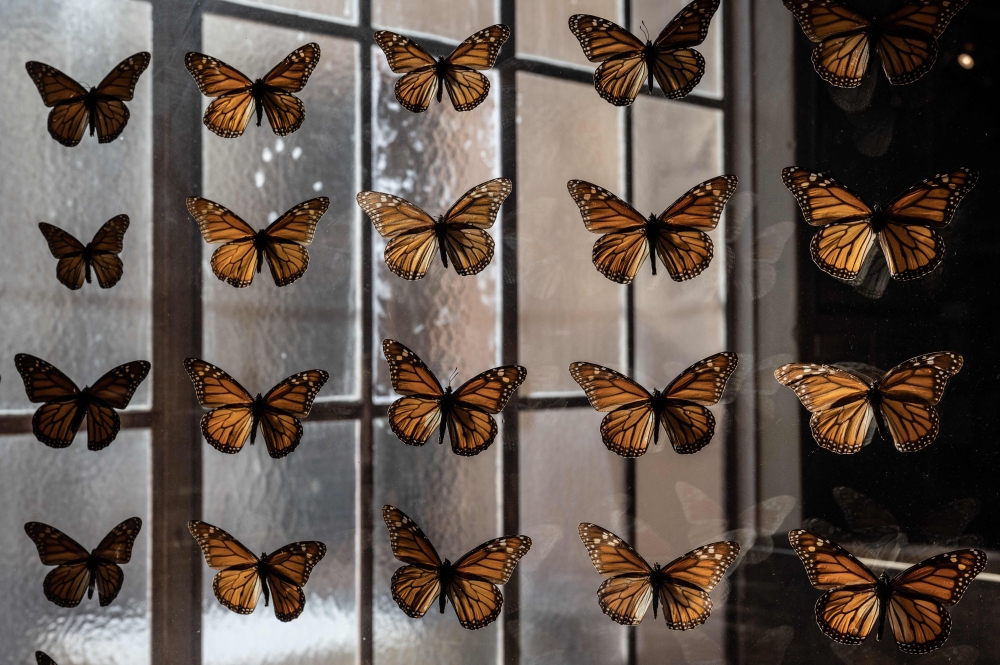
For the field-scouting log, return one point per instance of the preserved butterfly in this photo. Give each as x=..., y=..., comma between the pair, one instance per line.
x=236, y=414
x=467, y=413
x=65, y=406
x=905, y=40
x=902, y=401
x=237, y=98
x=74, y=109
x=79, y=571
x=243, y=577
x=100, y=255
x=914, y=601
x=677, y=235
x=627, y=62
x=636, y=415
x=470, y=583
x=424, y=77
x=282, y=243
x=682, y=586
x=414, y=236
x=905, y=229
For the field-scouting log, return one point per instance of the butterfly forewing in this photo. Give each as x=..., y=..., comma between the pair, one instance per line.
x=118, y=385
x=909, y=393
x=70, y=268
x=43, y=659
x=237, y=586
x=907, y=43
x=288, y=571
x=408, y=373
x=689, y=27
x=601, y=210
x=408, y=542
x=704, y=566
x=403, y=55
x=42, y=381
x=611, y=556
x=480, y=51
x=601, y=38
x=822, y=199
x=701, y=207
x=213, y=386
x=838, y=400
x=828, y=565
x=292, y=73
x=704, y=382
x=495, y=560
x=54, y=547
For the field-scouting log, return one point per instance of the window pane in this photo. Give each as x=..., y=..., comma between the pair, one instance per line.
x=447, y=18
x=335, y=9
x=657, y=13
x=543, y=27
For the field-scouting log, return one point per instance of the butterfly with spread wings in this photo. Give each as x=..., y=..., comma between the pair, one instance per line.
x=905, y=229
x=237, y=98
x=243, y=576
x=236, y=414
x=74, y=109
x=914, y=601
x=902, y=401
x=65, y=406
x=79, y=571
x=467, y=412
x=470, y=583
x=627, y=62
x=424, y=77
x=636, y=415
x=905, y=40
x=460, y=234
x=100, y=255
x=678, y=235
x=282, y=243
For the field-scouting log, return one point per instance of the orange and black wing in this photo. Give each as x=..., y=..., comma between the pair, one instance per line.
x=688, y=423
x=112, y=391
x=107, y=244
x=237, y=586
x=288, y=571
x=236, y=261
x=630, y=425
x=69, y=116
x=114, y=549
x=907, y=38
x=468, y=245
x=285, y=111
x=620, y=253
x=110, y=113
x=466, y=87
x=909, y=393
x=410, y=231
x=620, y=77
x=234, y=105
x=227, y=426
x=677, y=67
x=626, y=596
x=55, y=422
x=65, y=585
x=286, y=239
x=284, y=405
x=689, y=579
x=682, y=244
x=415, y=416
x=689, y=27
x=70, y=268
x=838, y=400
x=473, y=591
x=842, y=37
x=416, y=585
x=471, y=428
x=419, y=84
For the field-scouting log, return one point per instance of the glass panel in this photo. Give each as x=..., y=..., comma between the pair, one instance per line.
x=84, y=495
x=447, y=18
x=542, y=27
x=87, y=332
x=313, y=322
x=657, y=13
x=336, y=9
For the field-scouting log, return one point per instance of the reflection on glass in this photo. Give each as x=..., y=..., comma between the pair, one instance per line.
x=443, y=18
x=543, y=31
x=657, y=13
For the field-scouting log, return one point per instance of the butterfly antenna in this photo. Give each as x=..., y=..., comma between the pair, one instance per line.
x=642, y=26
x=452, y=376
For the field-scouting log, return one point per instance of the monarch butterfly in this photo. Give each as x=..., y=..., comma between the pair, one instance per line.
x=677, y=235
x=77, y=570
x=235, y=414
x=627, y=61
x=74, y=108
x=238, y=98
x=460, y=233
x=904, y=229
x=682, y=586
x=242, y=576
x=914, y=601
x=424, y=77
x=636, y=415
x=470, y=583
x=905, y=40
x=76, y=260
x=844, y=404
x=282, y=243
x=465, y=412
x=64, y=407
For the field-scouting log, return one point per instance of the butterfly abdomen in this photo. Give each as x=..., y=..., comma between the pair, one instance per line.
x=440, y=70
x=657, y=404
x=91, y=104
x=446, y=573
x=257, y=90
x=652, y=225
x=440, y=228
x=649, y=55
x=261, y=575
x=258, y=412
x=445, y=404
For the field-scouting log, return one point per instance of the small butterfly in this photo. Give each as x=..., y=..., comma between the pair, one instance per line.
x=76, y=260
x=414, y=236
x=465, y=412
x=56, y=422
x=238, y=98
x=74, y=109
x=424, y=77
x=470, y=583
x=77, y=570
x=627, y=61
x=235, y=414
x=243, y=577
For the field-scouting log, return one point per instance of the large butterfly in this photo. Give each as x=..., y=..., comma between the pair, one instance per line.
x=414, y=236
x=636, y=415
x=682, y=586
x=238, y=98
x=677, y=235
x=56, y=422
x=76, y=260
x=424, y=77
x=905, y=40
x=74, y=109
x=236, y=414
x=469, y=583
x=79, y=571
x=905, y=229
x=844, y=404
x=627, y=61
x=282, y=243
x=465, y=412
x=914, y=601
x=243, y=577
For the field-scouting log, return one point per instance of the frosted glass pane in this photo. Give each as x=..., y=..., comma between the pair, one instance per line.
x=85, y=332
x=337, y=9
x=568, y=310
x=454, y=19
x=83, y=495
x=454, y=500
x=431, y=159
x=308, y=495
x=312, y=322
x=657, y=13
x=543, y=27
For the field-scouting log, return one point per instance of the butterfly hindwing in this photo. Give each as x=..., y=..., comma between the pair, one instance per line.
x=286, y=239
x=284, y=405
x=288, y=570
x=687, y=604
